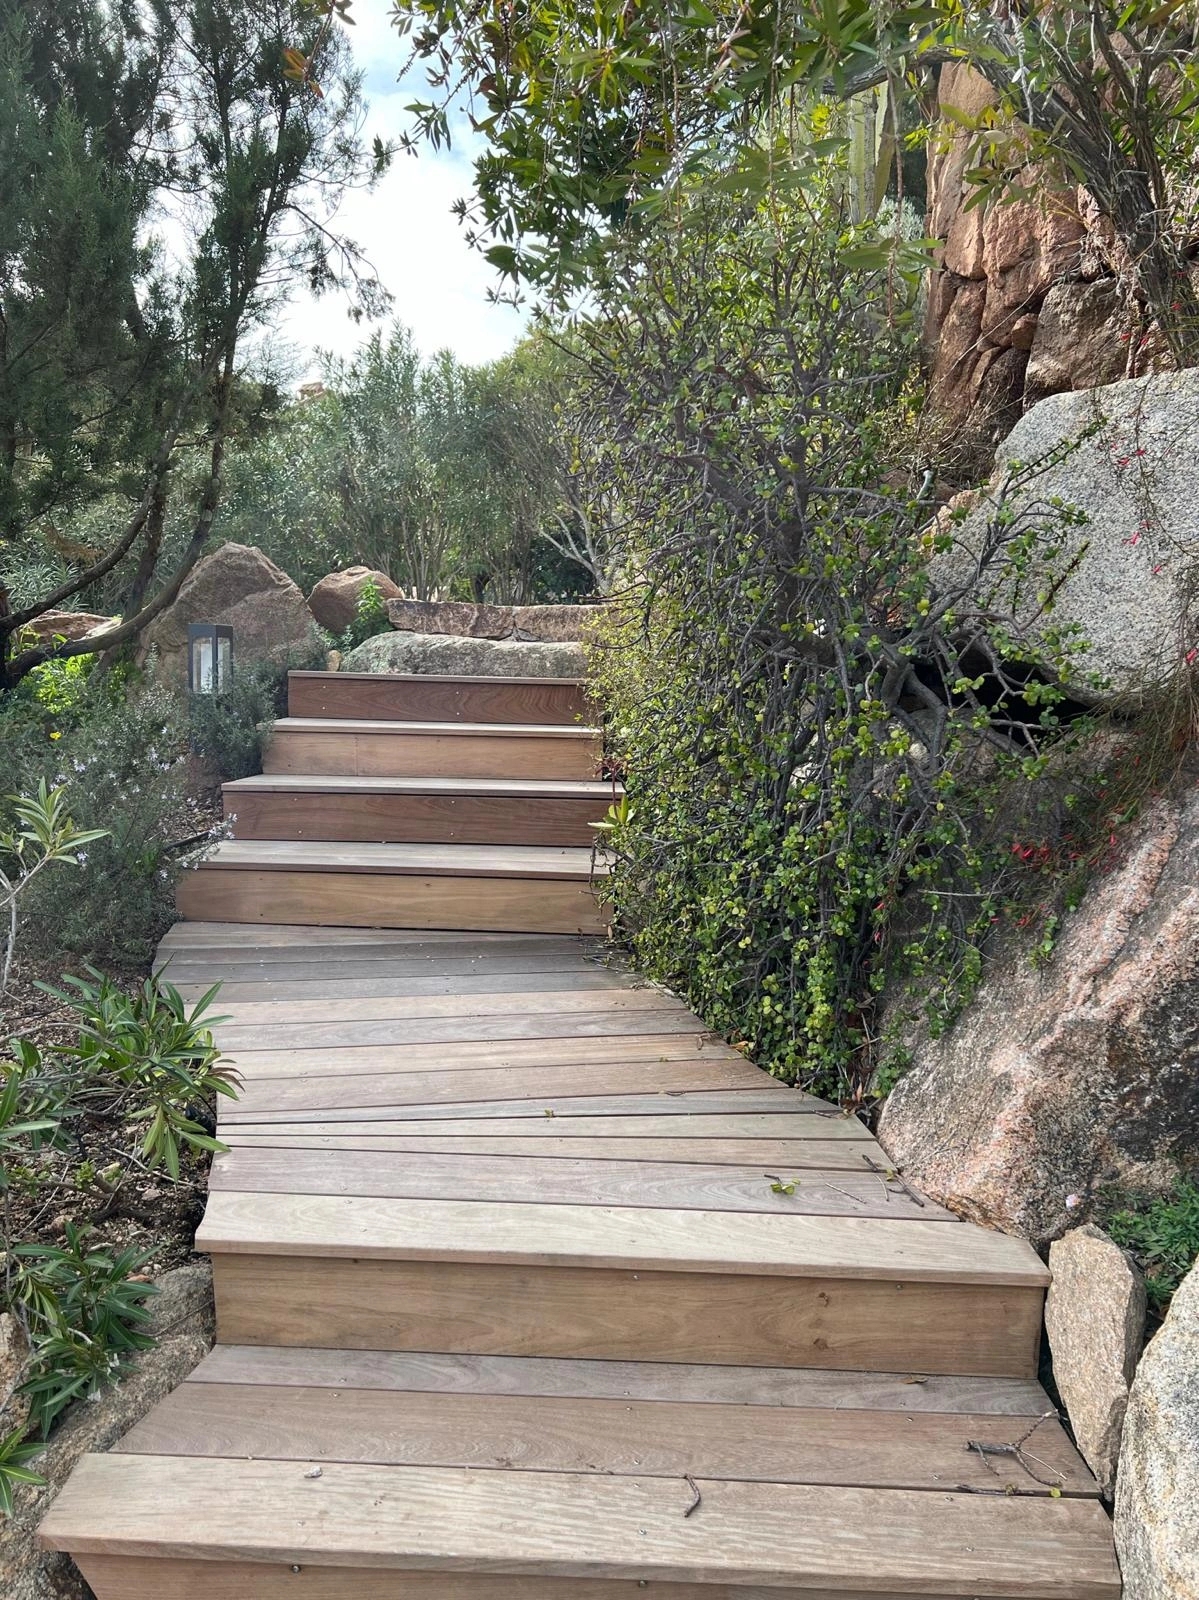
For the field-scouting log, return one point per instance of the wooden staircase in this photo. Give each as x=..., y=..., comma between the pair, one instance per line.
x=527, y=1287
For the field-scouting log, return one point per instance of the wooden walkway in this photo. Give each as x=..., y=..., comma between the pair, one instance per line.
x=529, y=1289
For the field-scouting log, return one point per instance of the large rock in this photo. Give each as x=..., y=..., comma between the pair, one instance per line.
x=464, y=619
x=238, y=586
x=1081, y=339
x=52, y=625
x=1125, y=457
x=334, y=600
x=486, y=658
x=1095, y=1317
x=1157, y=1488
x=1056, y=1081
x=182, y=1322
x=461, y=618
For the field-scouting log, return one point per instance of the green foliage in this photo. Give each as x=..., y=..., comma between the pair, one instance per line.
x=43, y=833
x=119, y=366
x=133, y=1090
x=120, y=763
x=1163, y=1234
x=370, y=617
x=229, y=730
x=146, y=1058
x=444, y=476
x=85, y=1316
x=623, y=105
x=829, y=745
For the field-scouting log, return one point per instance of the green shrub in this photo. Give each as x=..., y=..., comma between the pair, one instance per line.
x=122, y=762
x=1163, y=1234
x=230, y=731
x=370, y=617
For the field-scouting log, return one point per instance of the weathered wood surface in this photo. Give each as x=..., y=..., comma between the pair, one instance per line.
x=528, y=1287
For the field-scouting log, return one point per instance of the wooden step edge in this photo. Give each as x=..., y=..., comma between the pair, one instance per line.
x=410, y=678
x=341, y=726
x=749, y=1244
x=312, y=856
x=568, y=789
x=565, y=1525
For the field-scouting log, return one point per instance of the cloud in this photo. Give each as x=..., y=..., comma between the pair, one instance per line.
x=405, y=225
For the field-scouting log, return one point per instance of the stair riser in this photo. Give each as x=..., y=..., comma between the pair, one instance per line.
x=414, y=819
x=381, y=900
x=341, y=694
x=134, y=1578
x=495, y=1309
x=402, y=755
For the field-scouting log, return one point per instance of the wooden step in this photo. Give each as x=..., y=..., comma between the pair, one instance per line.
x=325, y=747
x=414, y=810
x=201, y=1526
x=426, y=697
x=622, y=1282
x=395, y=885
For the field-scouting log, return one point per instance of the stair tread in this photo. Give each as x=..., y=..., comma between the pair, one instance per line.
x=638, y=1238
x=575, y=862
x=566, y=1524
x=817, y=1443
x=420, y=1371
x=478, y=730
x=514, y=788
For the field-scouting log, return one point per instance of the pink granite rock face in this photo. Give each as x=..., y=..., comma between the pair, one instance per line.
x=1058, y=1081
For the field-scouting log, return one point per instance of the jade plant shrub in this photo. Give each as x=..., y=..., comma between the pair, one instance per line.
x=828, y=757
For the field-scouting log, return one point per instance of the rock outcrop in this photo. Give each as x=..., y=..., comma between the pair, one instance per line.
x=489, y=658
x=1095, y=1317
x=238, y=586
x=1157, y=1487
x=66, y=625
x=1024, y=301
x=1058, y=1080
x=334, y=600
x=1125, y=457
x=182, y=1323
x=463, y=619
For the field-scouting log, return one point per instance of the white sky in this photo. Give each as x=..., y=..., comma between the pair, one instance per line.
x=405, y=225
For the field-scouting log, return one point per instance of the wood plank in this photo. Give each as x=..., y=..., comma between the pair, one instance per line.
x=334, y=972
x=643, y=1381
x=486, y=1005
x=428, y=697
x=498, y=787
x=461, y=818
x=418, y=860
x=279, y=940
x=566, y=1182
x=600, y=1236
x=565, y=1525
x=532, y=1123
x=828, y=1155
x=769, y=1111
x=457, y=1030
x=283, y=993
x=350, y=900
x=397, y=750
x=587, y=1312
x=135, y=1578
x=649, y=1048
x=664, y=1439
x=341, y=1092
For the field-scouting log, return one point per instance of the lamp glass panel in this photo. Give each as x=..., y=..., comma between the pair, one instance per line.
x=224, y=663
x=203, y=662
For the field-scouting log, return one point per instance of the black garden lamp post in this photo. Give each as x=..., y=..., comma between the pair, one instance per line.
x=209, y=657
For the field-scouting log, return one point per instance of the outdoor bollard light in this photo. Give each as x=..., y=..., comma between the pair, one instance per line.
x=209, y=657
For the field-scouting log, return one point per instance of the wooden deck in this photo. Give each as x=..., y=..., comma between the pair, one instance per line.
x=530, y=1289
